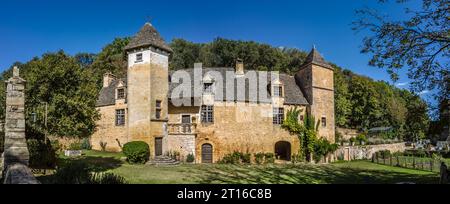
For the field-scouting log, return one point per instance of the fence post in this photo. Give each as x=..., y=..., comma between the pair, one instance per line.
x=398, y=161
x=390, y=160
x=431, y=165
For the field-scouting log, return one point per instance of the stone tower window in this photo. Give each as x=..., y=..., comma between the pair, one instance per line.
x=120, y=117
x=158, y=109
x=324, y=121
x=120, y=93
x=278, y=116
x=208, y=88
x=207, y=114
x=139, y=57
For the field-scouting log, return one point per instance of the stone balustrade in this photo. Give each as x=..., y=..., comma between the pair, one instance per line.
x=180, y=129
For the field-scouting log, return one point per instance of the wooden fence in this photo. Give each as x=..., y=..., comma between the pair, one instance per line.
x=418, y=163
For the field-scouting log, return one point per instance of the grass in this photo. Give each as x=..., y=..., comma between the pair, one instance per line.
x=357, y=172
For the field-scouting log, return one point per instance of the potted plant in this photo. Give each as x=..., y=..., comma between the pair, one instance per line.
x=352, y=141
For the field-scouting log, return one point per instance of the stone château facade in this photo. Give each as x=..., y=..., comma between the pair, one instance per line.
x=217, y=119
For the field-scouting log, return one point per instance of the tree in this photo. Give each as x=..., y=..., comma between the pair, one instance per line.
x=421, y=43
x=342, y=99
x=112, y=59
x=69, y=90
x=417, y=120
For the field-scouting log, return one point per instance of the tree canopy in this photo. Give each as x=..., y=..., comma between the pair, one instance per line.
x=421, y=43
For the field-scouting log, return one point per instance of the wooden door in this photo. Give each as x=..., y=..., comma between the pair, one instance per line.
x=158, y=147
x=207, y=154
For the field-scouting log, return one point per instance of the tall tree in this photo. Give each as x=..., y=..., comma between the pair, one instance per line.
x=69, y=90
x=421, y=43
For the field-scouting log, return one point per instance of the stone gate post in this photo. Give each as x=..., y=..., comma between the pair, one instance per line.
x=16, y=150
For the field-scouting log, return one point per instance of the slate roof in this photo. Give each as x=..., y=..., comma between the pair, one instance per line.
x=148, y=36
x=315, y=57
x=293, y=93
x=107, y=96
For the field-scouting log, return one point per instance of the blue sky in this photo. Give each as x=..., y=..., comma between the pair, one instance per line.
x=30, y=28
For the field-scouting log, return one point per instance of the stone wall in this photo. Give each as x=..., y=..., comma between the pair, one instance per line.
x=366, y=152
x=107, y=131
x=19, y=174
x=347, y=133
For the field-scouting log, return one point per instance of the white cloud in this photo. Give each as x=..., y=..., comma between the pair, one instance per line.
x=400, y=84
x=424, y=92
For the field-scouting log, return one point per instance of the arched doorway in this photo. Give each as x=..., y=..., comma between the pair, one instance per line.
x=207, y=154
x=283, y=150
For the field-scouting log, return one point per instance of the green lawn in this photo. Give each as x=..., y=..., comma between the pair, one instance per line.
x=356, y=172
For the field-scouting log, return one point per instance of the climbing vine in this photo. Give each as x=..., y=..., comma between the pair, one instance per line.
x=310, y=147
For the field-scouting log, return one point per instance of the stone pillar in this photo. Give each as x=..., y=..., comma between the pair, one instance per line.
x=16, y=150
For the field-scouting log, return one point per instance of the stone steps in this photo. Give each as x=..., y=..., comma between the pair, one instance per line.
x=163, y=161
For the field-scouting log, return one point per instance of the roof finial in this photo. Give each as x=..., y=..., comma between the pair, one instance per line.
x=149, y=20
x=15, y=71
x=314, y=46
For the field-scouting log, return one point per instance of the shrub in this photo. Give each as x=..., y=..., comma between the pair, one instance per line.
x=259, y=158
x=86, y=144
x=234, y=158
x=42, y=155
x=361, y=138
x=269, y=158
x=384, y=154
x=77, y=172
x=137, y=152
x=246, y=158
x=297, y=158
x=322, y=147
x=75, y=146
x=190, y=158
x=56, y=146
x=106, y=178
x=352, y=140
x=103, y=146
x=73, y=173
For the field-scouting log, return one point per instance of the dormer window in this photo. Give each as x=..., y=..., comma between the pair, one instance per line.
x=120, y=93
x=139, y=57
x=208, y=88
x=278, y=91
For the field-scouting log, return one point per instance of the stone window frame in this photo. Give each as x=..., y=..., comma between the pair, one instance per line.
x=208, y=88
x=278, y=91
x=278, y=115
x=139, y=57
x=120, y=96
x=120, y=117
x=158, y=109
x=323, y=121
x=183, y=115
x=207, y=114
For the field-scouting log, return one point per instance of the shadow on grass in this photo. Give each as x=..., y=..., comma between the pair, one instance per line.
x=308, y=174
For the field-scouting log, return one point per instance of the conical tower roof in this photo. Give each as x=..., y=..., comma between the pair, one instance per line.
x=316, y=58
x=148, y=36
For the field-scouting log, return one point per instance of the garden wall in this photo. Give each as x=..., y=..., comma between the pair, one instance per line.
x=366, y=152
x=347, y=133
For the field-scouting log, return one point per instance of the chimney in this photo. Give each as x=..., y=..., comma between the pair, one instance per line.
x=239, y=67
x=108, y=78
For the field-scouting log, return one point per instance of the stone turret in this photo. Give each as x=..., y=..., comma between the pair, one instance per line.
x=148, y=87
x=16, y=150
x=316, y=79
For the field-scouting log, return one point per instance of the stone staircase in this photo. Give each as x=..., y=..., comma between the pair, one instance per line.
x=163, y=161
